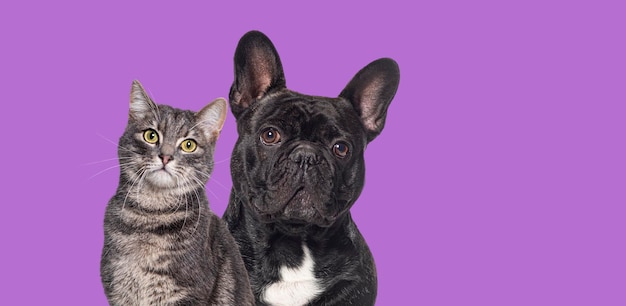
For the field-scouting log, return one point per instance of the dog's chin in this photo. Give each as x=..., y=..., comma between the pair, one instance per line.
x=294, y=228
x=297, y=222
x=298, y=216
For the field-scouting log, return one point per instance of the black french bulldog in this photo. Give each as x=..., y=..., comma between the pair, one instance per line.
x=297, y=168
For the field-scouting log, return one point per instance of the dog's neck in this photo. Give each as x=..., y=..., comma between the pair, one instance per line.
x=343, y=228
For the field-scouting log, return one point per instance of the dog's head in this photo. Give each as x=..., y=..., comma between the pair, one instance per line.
x=298, y=161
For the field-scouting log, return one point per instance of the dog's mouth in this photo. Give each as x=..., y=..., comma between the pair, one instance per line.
x=297, y=208
x=298, y=189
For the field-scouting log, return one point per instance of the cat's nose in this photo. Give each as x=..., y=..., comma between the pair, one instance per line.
x=165, y=158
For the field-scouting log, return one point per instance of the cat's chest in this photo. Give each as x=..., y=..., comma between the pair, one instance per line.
x=296, y=286
x=143, y=271
x=150, y=250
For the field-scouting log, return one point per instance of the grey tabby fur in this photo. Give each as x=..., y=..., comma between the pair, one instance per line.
x=163, y=245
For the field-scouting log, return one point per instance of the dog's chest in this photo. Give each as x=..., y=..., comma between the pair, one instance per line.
x=296, y=286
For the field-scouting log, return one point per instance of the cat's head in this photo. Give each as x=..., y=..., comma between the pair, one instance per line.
x=169, y=149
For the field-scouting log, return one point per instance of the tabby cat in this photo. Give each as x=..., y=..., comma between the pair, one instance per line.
x=163, y=245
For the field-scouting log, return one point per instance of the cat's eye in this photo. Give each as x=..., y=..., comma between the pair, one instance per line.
x=341, y=149
x=151, y=136
x=270, y=136
x=189, y=145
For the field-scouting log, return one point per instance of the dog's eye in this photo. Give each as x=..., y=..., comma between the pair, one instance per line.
x=340, y=149
x=270, y=136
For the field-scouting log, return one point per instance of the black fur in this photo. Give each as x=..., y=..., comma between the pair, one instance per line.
x=298, y=191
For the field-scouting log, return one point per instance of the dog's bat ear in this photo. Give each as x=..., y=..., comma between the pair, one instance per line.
x=258, y=71
x=370, y=91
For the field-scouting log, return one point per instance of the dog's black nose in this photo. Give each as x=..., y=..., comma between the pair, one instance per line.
x=304, y=155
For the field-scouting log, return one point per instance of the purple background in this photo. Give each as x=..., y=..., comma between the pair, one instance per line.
x=499, y=178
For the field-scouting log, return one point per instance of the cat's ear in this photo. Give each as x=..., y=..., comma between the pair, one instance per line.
x=211, y=118
x=258, y=71
x=370, y=91
x=141, y=106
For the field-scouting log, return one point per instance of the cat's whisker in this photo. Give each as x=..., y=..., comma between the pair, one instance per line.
x=199, y=181
x=214, y=194
x=186, y=186
x=187, y=203
x=181, y=180
x=190, y=185
x=186, y=211
x=105, y=170
x=105, y=160
x=141, y=179
x=202, y=183
x=207, y=174
x=130, y=189
x=213, y=180
x=221, y=161
x=195, y=191
x=120, y=165
x=181, y=186
x=125, y=166
x=220, y=184
x=133, y=178
x=109, y=140
x=138, y=175
x=204, y=175
x=116, y=144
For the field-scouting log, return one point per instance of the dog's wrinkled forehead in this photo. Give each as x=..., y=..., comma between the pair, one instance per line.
x=308, y=116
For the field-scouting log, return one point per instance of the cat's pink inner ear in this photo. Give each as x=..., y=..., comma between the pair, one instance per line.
x=140, y=104
x=212, y=117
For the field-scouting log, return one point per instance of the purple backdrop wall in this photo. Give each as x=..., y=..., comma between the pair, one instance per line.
x=498, y=180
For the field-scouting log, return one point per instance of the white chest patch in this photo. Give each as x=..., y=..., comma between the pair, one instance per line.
x=297, y=286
